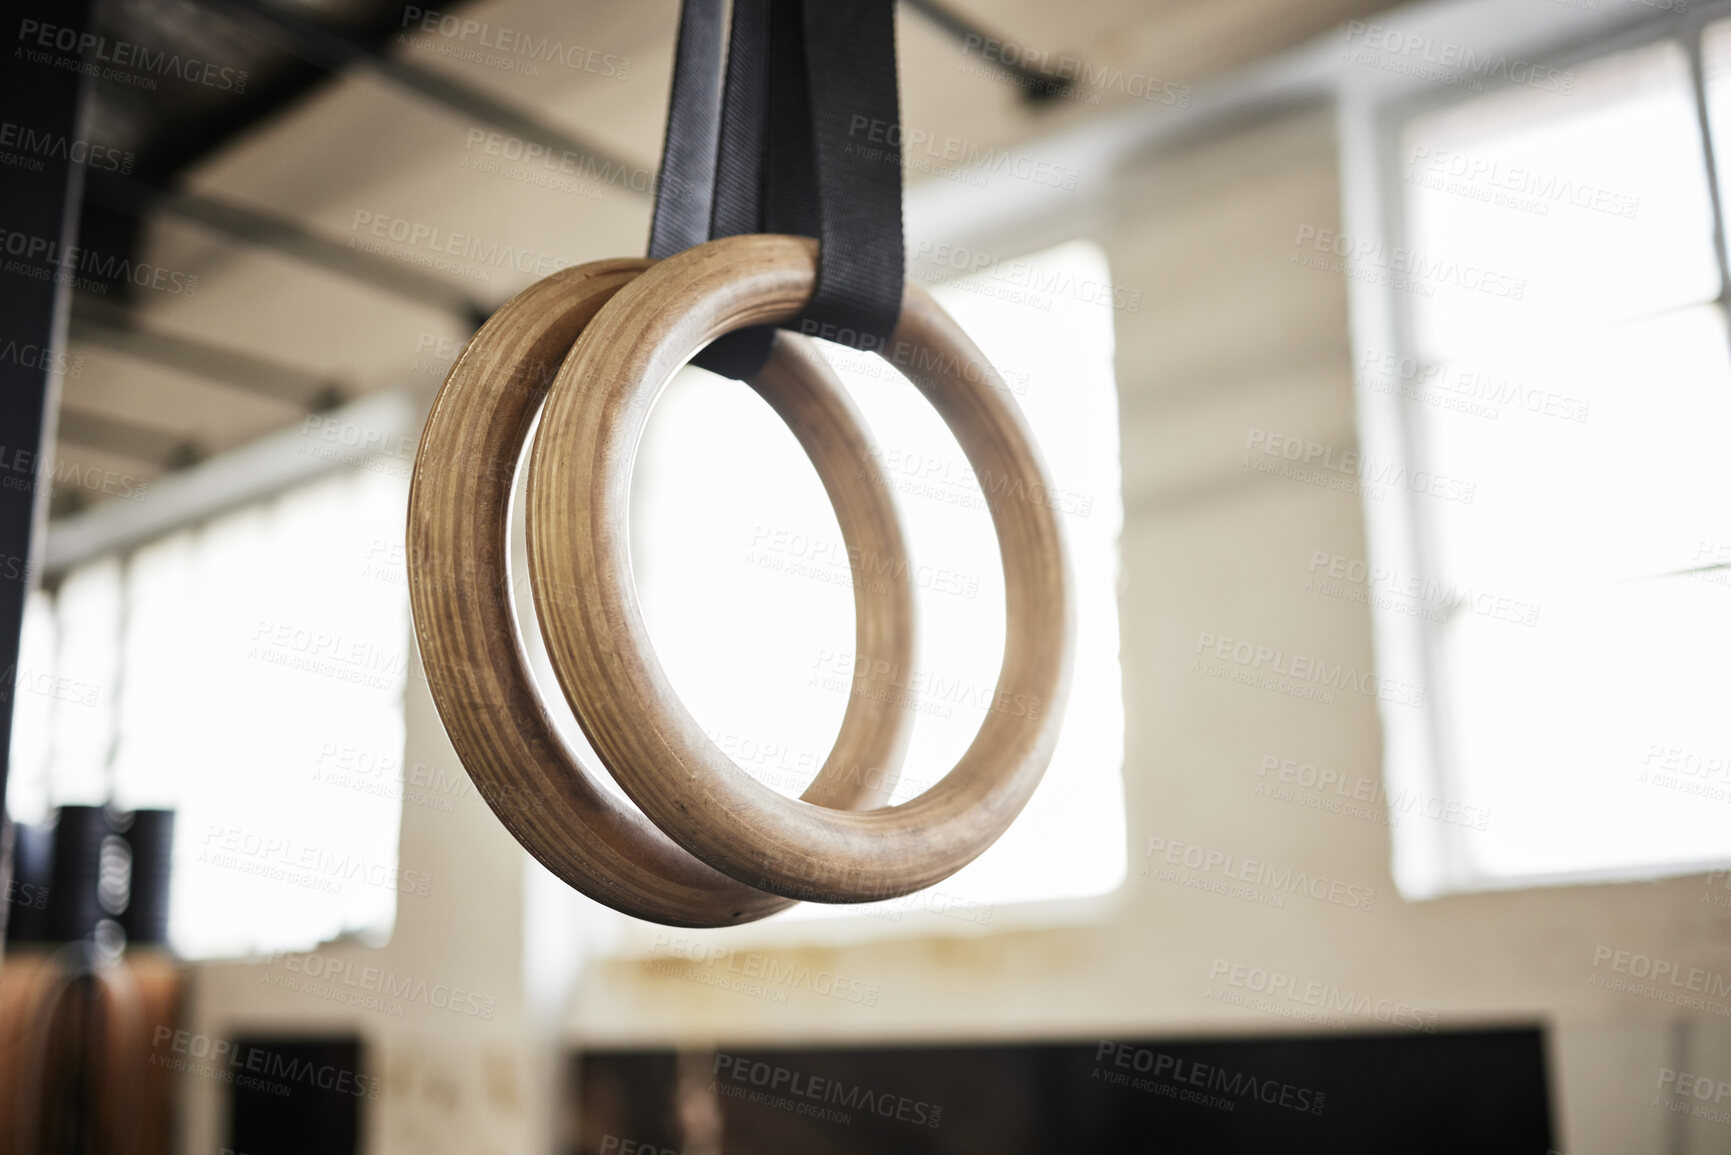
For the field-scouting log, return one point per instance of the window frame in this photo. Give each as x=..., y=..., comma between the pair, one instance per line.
x=1431, y=859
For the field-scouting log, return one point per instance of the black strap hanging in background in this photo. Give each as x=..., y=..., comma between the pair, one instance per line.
x=809, y=144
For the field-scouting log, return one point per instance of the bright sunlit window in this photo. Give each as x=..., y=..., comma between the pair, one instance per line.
x=249, y=674
x=1574, y=601
x=747, y=589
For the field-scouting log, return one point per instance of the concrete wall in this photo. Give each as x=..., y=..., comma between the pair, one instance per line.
x=1231, y=337
x=459, y=1070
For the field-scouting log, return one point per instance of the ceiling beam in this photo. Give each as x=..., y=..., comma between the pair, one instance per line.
x=120, y=437
x=266, y=230
x=1037, y=87
x=334, y=52
x=105, y=327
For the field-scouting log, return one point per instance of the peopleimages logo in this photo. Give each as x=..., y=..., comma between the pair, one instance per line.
x=342, y=980
x=1694, y=1086
x=19, y=470
x=1328, y=570
x=893, y=681
x=1162, y=1067
x=34, y=146
x=249, y=1066
x=1348, y=470
x=29, y=356
x=1462, y=388
x=954, y=481
x=1661, y=972
x=91, y=52
x=814, y=1095
x=1275, y=991
x=1400, y=267
x=1487, y=178
x=45, y=257
x=235, y=847
x=444, y=248
x=814, y=556
x=528, y=46
x=315, y=651
x=1253, y=663
x=27, y=894
x=917, y=143
x=1692, y=763
x=481, y=144
x=764, y=969
x=1085, y=80
x=616, y=1145
x=1044, y=283
x=1257, y=873
x=48, y=684
x=1389, y=807
x=1698, y=1096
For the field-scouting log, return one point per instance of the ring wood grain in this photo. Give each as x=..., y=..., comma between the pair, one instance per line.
x=579, y=489
x=477, y=668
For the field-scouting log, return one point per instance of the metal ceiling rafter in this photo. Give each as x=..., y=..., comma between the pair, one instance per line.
x=335, y=52
x=117, y=330
x=267, y=230
x=120, y=437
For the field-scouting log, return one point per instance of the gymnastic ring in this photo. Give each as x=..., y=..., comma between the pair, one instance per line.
x=578, y=493
x=477, y=668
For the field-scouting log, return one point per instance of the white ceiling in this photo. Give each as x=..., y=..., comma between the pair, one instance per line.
x=360, y=148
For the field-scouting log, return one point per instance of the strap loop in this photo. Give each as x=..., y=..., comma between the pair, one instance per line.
x=809, y=83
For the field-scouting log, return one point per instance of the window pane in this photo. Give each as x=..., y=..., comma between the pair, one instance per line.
x=264, y=669
x=36, y=690
x=88, y=608
x=1594, y=460
x=1589, y=207
x=1576, y=425
x=1564, y=469
x=1596, y=739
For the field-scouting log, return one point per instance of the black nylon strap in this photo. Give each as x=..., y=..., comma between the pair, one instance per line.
x=810, y=85
x=790, y=190
x=850, y=48
x=688, y=169
x=738, y=205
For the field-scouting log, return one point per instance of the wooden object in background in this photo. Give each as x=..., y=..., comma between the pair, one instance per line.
x=458, y=562
x=87, y=1056
x=580, y=570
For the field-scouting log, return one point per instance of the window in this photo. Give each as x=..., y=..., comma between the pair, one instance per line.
x=1553, y=389
x=748, y=593
x=249, y=674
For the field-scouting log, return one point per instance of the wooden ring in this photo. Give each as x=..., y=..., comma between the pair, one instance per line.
x=477, y=668
x=579, y=488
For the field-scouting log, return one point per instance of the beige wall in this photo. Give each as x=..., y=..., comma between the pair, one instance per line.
x=450, y=1081
x=1230, y=336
